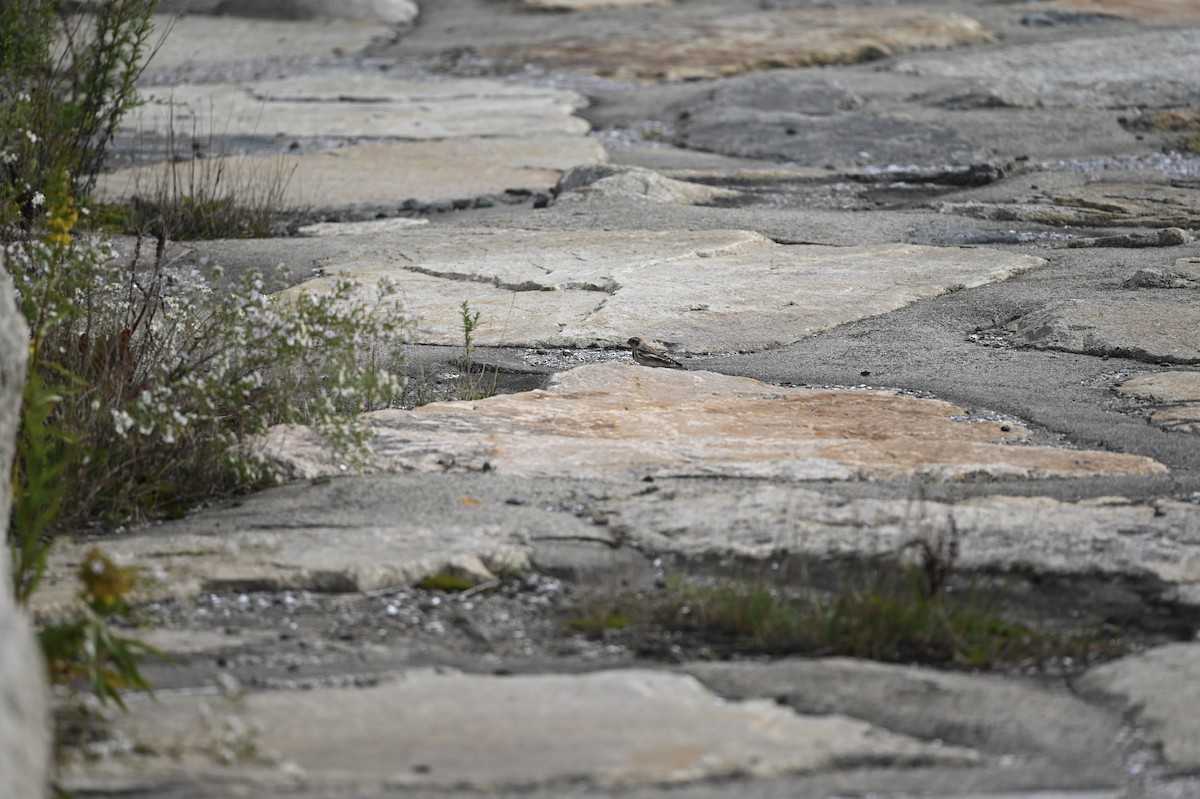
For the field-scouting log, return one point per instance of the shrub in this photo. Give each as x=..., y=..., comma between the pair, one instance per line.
x=65, y=84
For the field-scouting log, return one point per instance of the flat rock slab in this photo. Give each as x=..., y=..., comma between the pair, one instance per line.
x=1158, y=328
x=371, y=176
x=1147, y=203
x=1184, y=274
x=357, y=104
x=1160, y=689
x=620, y=420
x=197, y=41
x=589, y=5
x=712, y=291
x=984, y=712
x=1101, y=204
x=1141, y=10
x=810, y=123
x=1110, y=536
x=395, y=12
x=1143, y=70
x=679, y=47
x=340, y=536
x=1174, y=398
x=607, y=729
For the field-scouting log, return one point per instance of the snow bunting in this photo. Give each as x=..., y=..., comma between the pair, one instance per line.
x=646, y=355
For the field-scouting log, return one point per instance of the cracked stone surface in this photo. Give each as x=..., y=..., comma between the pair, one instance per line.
x=462, y=139
x=1173, y=398
x=1099, y=204
x=998, y=380
x=1111, y=536
x=1160, y=329
x=616, y=419
x=545, y=288
x=1020, y=719
x=812, y=123
x=368, y=176
x=196, y=41
x=1159, y=688
x=679, y=49
x=1149, y=68
x=310, y=537
x=609, y=730
x=350, y=104
x=1143, y=10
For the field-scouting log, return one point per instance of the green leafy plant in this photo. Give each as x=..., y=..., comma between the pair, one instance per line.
x=159, y=380
x=470, y=322
x=199, y=192
x=895, y=610
x=66, y=81
x=87, y=649
x=147, y=384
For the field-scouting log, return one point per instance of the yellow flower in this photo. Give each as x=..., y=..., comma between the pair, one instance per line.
x=63, y=215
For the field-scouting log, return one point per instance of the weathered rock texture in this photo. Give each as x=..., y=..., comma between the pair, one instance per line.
x=1158, y=543
x=1149, y=69
x=394, y=12
x=606, y=729
x=367, y=105
x=1143, y=10
x=24, y=732
x=808, y=122
x=679, y=48
x=1127, y=325
x=1173, y=398
x=1160, y=689
x=620, y=420
x=462, y=139
x=712, y=291
x=196, y=41
x=978, y=711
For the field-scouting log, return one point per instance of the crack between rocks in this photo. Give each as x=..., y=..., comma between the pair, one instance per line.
x=526, y=285
x=584, y=539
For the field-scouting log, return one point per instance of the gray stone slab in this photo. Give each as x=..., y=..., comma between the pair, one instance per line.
x=196, y=41
x=619, y=729
x=992, y=714
x=585, y=184
x=1148, y=328
x=1146, y=68
x=811, y=123
x=1160, y=689
x=339, y=536
x=712, y=291
x=1107, y=536
x=1142, y=10
x=393, y=12
x=361, y=104
x=1164, y=387
x=379, y=175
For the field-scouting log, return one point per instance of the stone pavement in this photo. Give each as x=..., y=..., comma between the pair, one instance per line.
x=931, y=269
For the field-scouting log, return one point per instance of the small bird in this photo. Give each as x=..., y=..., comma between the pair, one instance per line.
x=646, y=355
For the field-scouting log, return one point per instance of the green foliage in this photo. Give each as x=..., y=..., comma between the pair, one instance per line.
x=469, y=321
x=65, y=83
x=159, y=379
x=445, y=581
x=87, y=649
x=597, y=621
x=217, y=197
x=895, y=611
x=38, y=486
